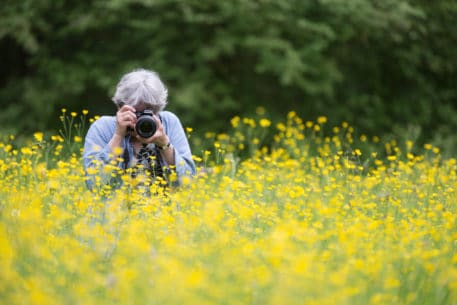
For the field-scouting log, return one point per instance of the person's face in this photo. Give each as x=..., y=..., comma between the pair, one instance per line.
x=138, y=108
x=142, y=107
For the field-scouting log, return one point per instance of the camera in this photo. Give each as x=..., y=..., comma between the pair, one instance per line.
x=145, y=124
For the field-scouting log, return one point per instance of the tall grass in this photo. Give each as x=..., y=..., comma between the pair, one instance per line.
x=314, y=218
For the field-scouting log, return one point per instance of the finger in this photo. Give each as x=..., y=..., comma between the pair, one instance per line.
x=158, y=122
x=126, y=121
x=127, y=116
x=126, y=108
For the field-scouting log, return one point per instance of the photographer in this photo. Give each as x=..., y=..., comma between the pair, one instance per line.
x=141, y=137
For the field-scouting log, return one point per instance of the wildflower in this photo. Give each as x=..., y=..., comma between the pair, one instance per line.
x=209, y=135
x=409, y=145
x=250, y=122
x=322, y=120
x=196, y=158
x=265, y=123
x=291, y=114
x=235, y=121
x=26, y=151
x=38, y=136
x=289, y=210
x=391, y=158
x=281, y=127
x=260, y=110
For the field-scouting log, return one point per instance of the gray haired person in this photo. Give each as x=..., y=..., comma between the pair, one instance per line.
x=140, y=136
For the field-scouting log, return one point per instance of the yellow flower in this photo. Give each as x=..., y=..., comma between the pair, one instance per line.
x=38, y=136
x=281, y=127
x=235, y=121
x=209, y=135
x=265, y=123
x=260, y=110
x=322, y=120
x=391, y=158
x=291, y=114
x=26, y=151
x=409, y=145
x=299, y=208
x=196, y=158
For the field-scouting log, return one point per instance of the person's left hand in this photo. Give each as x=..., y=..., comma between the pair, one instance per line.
x=159, y=138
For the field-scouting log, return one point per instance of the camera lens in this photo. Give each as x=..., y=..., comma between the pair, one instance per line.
x=145, y=126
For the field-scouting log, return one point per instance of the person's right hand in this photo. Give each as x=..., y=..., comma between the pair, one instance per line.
x=125, y=118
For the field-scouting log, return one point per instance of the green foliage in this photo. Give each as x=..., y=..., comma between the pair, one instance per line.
x=380, y=65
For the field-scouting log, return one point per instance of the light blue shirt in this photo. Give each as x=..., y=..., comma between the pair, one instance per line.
x=98, y=153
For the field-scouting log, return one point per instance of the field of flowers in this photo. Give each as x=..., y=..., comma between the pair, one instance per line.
x=321, y=216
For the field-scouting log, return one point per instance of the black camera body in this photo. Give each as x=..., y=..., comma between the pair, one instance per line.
x=145, y=125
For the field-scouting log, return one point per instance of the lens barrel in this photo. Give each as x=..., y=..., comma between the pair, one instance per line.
x=145, y=125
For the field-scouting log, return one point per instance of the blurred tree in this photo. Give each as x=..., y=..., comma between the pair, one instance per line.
x=376, y=64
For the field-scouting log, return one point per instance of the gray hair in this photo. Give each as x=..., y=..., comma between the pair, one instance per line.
x=141, y=87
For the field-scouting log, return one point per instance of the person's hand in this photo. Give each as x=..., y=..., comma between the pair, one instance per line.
x=125, y=119
x=159, y=137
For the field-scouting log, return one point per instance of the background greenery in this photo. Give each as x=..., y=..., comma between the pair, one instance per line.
x=385, y=66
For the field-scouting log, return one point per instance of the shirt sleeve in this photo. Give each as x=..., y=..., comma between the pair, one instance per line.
x=97, y=152
x=184, y=163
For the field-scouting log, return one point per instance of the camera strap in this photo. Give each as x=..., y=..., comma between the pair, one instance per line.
x=150, y=160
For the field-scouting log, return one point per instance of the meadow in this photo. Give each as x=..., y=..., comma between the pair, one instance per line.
x=323, y=215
